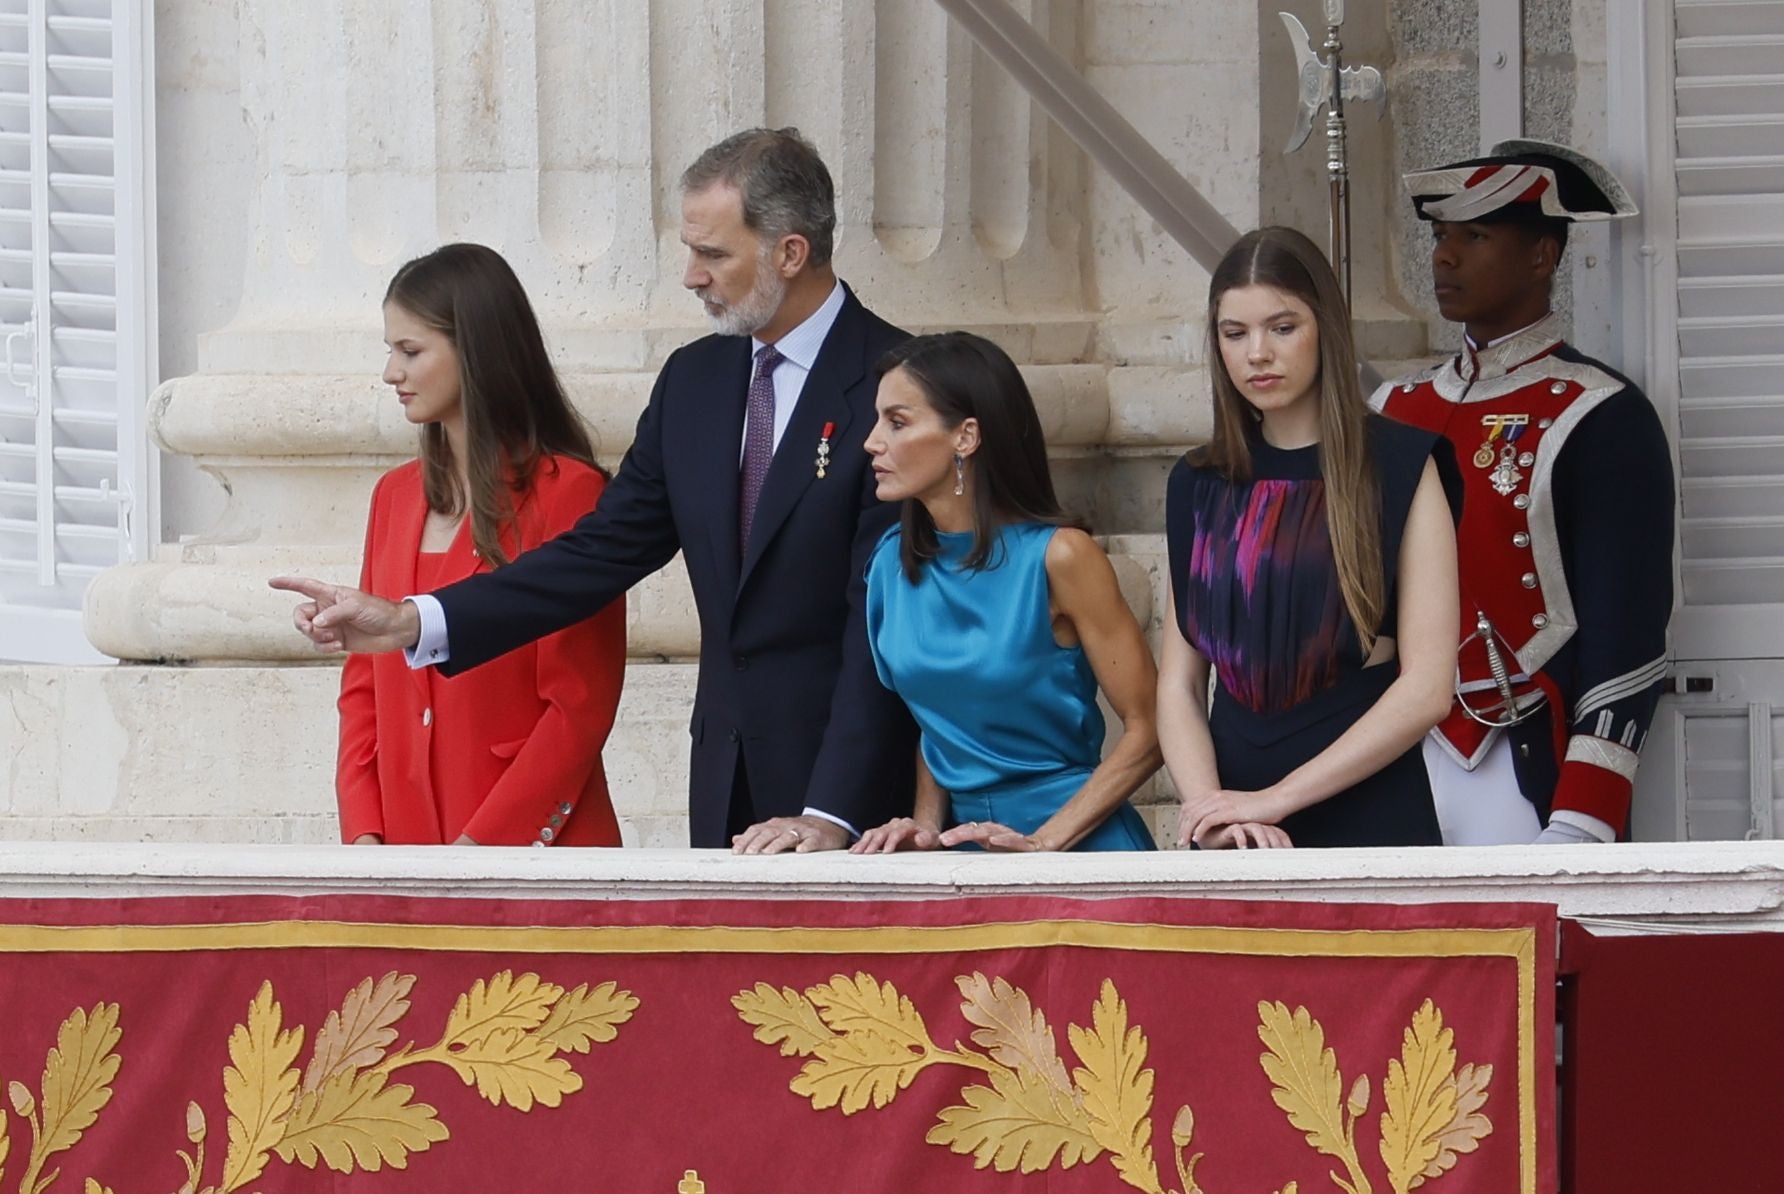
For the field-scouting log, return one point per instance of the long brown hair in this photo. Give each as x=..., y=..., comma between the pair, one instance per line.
x=1287, y=261
x=968, y=377
x=514, y=407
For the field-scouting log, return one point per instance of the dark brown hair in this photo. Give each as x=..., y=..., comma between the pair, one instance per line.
x=1285, y=260
x=968, y=377
x=514, y=407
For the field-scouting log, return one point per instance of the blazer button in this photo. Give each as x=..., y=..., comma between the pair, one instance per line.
x=743, y=663
x=735, y=736
x=427, y=717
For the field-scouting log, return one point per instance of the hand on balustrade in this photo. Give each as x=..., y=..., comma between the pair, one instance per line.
x=989, y=835
x=801, y=835
x=337, y=618
x=1247, y=835
x=900, y=833
x=1208, y=814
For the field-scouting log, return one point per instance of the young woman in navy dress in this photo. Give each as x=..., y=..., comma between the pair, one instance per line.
x=996, y=622
x=1313, y=567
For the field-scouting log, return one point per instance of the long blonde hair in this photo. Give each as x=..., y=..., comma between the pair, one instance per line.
x=1287, y=261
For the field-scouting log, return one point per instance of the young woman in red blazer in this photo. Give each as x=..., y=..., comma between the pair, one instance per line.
x=509, y=753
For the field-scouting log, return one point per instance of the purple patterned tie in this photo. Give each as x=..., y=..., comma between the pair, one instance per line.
x=758, y=442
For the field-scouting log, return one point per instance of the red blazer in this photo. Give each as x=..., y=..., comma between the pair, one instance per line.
x=509, y=752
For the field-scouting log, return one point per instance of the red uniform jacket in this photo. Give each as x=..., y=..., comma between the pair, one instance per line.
x=509, y=753
x=1566, y=555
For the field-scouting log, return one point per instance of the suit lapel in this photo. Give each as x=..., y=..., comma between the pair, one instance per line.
x=824, y=399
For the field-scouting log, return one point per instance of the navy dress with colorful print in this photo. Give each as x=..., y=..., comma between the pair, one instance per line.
x=1257, y=595
x=1011, y=727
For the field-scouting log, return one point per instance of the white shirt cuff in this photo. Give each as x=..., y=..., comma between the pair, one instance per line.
x=1584, y=822
x=431, y=647
x=822, y=815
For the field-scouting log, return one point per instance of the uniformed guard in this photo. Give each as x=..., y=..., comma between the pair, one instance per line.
x=1566, y=534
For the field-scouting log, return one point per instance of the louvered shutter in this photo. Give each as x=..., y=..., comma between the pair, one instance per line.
x=1730, y=171
x=1715, y=753
x=75, y=313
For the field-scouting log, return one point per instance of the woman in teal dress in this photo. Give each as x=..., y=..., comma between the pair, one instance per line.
x=996, y=622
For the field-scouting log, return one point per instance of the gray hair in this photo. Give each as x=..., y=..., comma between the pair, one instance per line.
x=782, y=181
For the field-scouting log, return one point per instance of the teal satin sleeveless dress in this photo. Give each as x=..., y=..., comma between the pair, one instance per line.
x=1011, y=727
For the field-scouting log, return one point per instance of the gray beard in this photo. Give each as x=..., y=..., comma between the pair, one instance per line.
x=751, y=313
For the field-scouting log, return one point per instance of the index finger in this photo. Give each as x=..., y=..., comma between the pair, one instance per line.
x=316, y=590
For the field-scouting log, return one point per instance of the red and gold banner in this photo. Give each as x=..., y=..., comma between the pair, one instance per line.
x=730, y=1047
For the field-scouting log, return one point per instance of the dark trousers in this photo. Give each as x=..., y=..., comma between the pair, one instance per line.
x=742, y=813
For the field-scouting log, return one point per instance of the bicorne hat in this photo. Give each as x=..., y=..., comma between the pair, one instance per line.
x=1520, y=181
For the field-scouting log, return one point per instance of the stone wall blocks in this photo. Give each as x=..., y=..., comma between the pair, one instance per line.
x=1436, y=27
x=1159, y=406
x=1072, y=401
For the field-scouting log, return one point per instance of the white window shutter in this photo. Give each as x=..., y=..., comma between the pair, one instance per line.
x=76, y=311
x=1730, y=171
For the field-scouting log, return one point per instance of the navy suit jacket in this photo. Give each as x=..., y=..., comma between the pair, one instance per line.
x=785, y=673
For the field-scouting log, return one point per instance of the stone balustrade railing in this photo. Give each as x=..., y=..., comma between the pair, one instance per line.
x=1663, y=888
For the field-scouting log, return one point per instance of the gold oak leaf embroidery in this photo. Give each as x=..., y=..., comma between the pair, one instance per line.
x=490, y=1042
x=362, y=1031
x=508, y=1066
x=879, y=1045
x=860, y=1005
x=259, y=1087
x=866, y=1042
x=1016, y=1123
x=584, y=1017
x=93, y=1187
x=504, y=1002
x=783, y=1017
x=1419, y=1097
x=355, y=1119
x=1308, y=1087
x=1012, y=1030
x=1030, y=1114
x=5, y=1141
x=854, y=1069
x=1117, y=1091
x=1467, y=1128
x=77, y=1077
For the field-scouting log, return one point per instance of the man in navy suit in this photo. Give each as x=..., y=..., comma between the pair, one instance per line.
x=749, y=461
